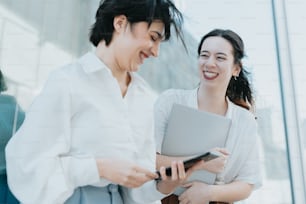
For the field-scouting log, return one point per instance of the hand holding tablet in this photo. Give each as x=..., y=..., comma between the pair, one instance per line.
x=192, y=161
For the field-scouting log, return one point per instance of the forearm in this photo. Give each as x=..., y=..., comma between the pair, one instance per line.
x=231, y=192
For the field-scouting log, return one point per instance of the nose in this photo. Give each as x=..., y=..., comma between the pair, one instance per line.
x=155, y=49
x=210, y=61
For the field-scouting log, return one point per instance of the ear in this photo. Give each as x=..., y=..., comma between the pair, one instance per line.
x=120, y=23
x=237, y=70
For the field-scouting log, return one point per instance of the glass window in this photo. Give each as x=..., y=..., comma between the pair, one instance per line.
x=296, y=31
x=258, y=34
x=34, y=40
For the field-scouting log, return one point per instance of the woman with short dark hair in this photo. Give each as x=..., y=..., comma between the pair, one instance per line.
x=88, y=137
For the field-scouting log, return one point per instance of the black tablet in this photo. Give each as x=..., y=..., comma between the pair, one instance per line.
x=190, y=162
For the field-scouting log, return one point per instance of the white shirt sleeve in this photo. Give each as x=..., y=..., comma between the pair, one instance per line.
x=39, y=168
x=246, y=156
x=250, y=171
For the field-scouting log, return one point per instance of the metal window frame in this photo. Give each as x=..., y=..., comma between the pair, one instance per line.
x=289, y=103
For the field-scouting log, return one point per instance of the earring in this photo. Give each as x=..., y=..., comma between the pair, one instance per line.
x=235, y=78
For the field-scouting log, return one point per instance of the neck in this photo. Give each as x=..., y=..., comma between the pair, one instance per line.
x=107, y=56
x=212, y=101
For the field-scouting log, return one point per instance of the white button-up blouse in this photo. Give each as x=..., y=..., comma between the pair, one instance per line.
x=243, y=163
x=81, y=115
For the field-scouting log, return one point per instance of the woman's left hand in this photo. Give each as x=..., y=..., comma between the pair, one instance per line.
x=196, y=193
x=215, y=165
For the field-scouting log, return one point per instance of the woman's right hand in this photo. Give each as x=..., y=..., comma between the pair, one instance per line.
x=168, y=184
x=215, y=165
x=124, y=173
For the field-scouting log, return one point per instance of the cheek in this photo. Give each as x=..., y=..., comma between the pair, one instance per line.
x=226, y=68
x=227, y=72
x=201, y=63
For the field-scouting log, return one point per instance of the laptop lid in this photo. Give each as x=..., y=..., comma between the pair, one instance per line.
x=191, y=131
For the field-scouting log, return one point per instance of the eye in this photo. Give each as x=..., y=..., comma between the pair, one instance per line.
x=154, y=38
x=221, y=58
x=203, y=55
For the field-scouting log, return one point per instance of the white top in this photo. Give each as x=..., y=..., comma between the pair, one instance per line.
x=81, y=115
x=243, y=163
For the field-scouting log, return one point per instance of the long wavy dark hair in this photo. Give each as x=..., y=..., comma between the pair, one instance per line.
x=239, y=90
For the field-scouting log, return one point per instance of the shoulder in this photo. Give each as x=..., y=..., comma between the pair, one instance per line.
x=64, y=76
x=243, y=116
x=77, y=67
x=65, y=72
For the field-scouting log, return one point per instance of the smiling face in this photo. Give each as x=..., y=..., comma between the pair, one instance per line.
x=216, y=63
x=134, y=43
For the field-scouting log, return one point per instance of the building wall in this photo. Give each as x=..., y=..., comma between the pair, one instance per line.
x=38, y=36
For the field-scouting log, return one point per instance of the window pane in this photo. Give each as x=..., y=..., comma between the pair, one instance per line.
x=258, y=35
x=296, y=19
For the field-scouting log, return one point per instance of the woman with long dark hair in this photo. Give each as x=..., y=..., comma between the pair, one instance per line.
x=225, y=90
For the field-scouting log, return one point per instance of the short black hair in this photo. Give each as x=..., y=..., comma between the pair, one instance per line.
x=3, y=86
x=135, y=11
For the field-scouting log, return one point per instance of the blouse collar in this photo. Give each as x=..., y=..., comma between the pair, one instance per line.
x=193, y=102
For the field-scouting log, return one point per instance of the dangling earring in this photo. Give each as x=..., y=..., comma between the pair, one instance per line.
x=235, y=78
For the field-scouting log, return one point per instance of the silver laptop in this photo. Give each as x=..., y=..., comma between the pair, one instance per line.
x=192, y=132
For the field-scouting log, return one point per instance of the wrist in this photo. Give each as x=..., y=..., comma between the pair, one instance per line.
x=212, y=192
x=101, y=166
x=162, y=187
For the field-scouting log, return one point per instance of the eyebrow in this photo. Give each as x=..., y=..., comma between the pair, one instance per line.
x=218, y=53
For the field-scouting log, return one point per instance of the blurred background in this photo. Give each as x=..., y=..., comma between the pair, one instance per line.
x=38, y=36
